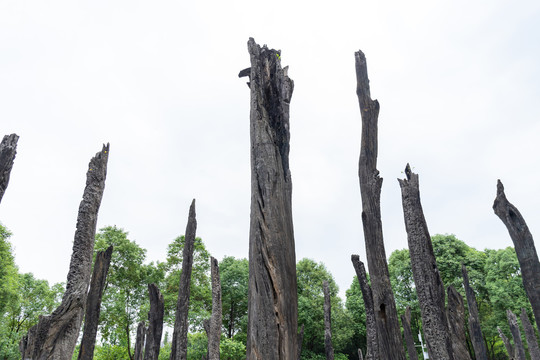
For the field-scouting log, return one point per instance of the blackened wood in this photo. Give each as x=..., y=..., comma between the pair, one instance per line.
x=530, y=336
x=455, y=313
x=55, y=335
x=273, y=300
x=328, y=348
x=427, y=280
x=372, y=352
x=507, y=344
x=386, y=318
x=300, y=341
x=155, y=323
x=516, y=335
x=8, y=150
x=179, y=341
x=139, y=342
x=475, y=331
x=524, y=246
x=407, y=333
x=93, y=304
x=214, y=333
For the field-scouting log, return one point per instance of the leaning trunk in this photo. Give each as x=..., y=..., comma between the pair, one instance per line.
x=273, y=303
x=328, y=349
x=475, y=331
x=532, y=342
x=508, y=346
x=407, y=332
x=455, y=313
x=8, y=150
x=516, y=335
x=214, y=332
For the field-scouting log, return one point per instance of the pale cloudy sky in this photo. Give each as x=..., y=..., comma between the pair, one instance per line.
x=458, y=83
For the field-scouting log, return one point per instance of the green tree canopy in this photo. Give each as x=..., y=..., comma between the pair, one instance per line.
x=234, y=275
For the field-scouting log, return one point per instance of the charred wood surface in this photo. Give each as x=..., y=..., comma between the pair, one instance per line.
x=519, y=350
x=507, y=345
x=214, y=332
x=155, y=323
x=8, y=150
x=530, y=336
x=139, y=342
x=455, y=313
x=475, y=331
x=407, y=332
x=328, y=348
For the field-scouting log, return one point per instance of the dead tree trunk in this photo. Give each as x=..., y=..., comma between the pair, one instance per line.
x=179, y=341
x=360, y=357
x=93, y=304
x=386, y=318
x=216, y=319
x=407, y=332
x=273, y=300
x=55, y=335
x=300, y=341
x=372, y=352
x=455, y=313
x=524, y=246
x=328, y=348
x=8, y=150
x=475, y=331
x=516, y=335
x=139, y=342
x=427, y=280
x=155, y=323
x=532, y=342
x=507, y=344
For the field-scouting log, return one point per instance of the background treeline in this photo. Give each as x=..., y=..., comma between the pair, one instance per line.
x=494, y=274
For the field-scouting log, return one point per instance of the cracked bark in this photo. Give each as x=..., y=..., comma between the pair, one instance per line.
x=427, y=280
x=530, y=336
x=508, y=346
x=519, y=350
x=179, y=341
x=214, y=332
x=155, y=323
x=139, y=341
x=8, y=150
x=455, y=313
x=55, y=335
x=328, y=348
x=407, y=332
x=273, y=304
x=386, y=318
x=475, y=331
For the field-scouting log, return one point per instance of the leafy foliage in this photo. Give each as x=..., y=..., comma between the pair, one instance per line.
x=234, y=276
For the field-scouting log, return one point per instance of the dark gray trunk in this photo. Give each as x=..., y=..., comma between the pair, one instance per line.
x=273, y=303
x=516, y=335
x=524, y=246
x=507, y=344
x=216, y=319
x=93, y=304
x=179, y=341
x=455, y=313
x=407, y=332
x=475, y=331
x=139, y=342
x=55, y=335
x=8, y=150
x=427, y=280
x=372, y=352
x=155, y=323
x=532, y=342
x=386, y=318
x=300, y=341
x=328, y=348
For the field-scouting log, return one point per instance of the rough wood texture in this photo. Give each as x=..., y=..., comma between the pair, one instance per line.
x=372, y=352
x=427, y=280
x=475, y=331
x=273, y=300
x=300, y=341
x=179, y=341
x=155, y=323
x=139, y=342
x=407, y=333
x=328, y=348
x=55, y=335
x=216, y=319
x=389, y=333
x=516, y=335
x=93, y=304
x=524, y=246
x=360, y=356
x=507, y=344
x=455, y=313
x=8, y=150
x=530, y=336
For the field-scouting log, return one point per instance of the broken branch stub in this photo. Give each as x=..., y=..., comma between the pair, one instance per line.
x=8, y=150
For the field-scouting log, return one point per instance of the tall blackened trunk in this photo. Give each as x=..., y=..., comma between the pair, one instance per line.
x=372, y=352
x=55, y=335
x=179, y=341
x=273, y=302
x=328, y=348
x=475, y=331
x=427, y=280
x=8, y=150
x=407, y=332
x=530, y=336
x=516, y=335
x=455, y=313
x=214, y=332
x=93, y=304
x=139, y=342
x=155, y=323
x=386, y=318
x=524, y=246
x=508, y=346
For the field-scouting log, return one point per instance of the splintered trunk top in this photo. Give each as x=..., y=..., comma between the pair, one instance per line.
x=273, y=303
x=8, y=150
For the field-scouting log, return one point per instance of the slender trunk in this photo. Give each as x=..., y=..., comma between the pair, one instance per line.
x=386, y=318
x=407, y=332
x=475, y=331
x=532, y=342
x=360, y=357
x=155, y=323
x=372, y=352
x=427, y=280
x=300, y=341
x=55, y=335
x=507, y=344
x=93, y=304
x=273, y=300
x=128, y=336
x=455, y=314
x=8, y=150
x=328, y=349
x=516, y=335
x=179, y=341
x=216, y=319
x=139, y=341
x=524, y=246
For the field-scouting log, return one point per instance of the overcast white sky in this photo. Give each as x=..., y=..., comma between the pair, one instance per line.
x=458, y=83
